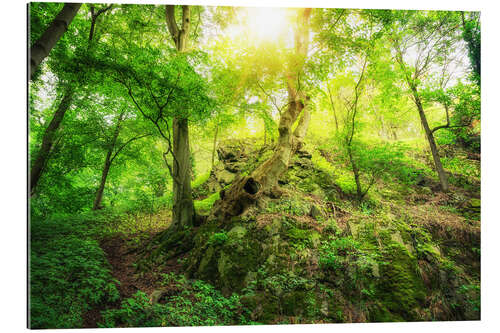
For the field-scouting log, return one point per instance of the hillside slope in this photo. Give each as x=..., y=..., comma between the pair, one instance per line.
x=309, y=252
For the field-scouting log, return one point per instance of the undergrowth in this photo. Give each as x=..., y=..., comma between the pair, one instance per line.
x=192, y=303
x=69, y=273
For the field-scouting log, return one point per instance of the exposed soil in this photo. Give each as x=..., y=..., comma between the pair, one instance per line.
x=122, y=256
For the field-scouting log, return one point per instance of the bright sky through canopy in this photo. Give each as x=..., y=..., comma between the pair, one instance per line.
x=262, y=24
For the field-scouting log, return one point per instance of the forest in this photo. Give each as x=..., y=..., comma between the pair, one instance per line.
x=198, y=166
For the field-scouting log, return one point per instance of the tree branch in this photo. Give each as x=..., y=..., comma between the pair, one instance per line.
x=126, y=143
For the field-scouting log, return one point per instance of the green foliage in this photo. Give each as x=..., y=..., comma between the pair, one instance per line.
x=472, y=292
x=289, y=205
x=362, y=78
x=200, y=180
x=69, y=273
x=206, y=204
x=195, y=303
x=338, y=254
x=218, y=238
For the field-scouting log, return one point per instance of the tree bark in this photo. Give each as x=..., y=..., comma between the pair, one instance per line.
x=183, y=208
x=51, y=36
x=246, y=190
x=333, y=108
x=214, y=145
x=355, y=171
x=183, y=213
x=48, y=139
x=107, y=163
x=443, y=179
x=104, y=176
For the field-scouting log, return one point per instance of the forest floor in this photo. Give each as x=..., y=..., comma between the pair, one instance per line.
x=122, y=254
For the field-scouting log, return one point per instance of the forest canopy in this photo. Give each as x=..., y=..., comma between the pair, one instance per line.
x=171, y=125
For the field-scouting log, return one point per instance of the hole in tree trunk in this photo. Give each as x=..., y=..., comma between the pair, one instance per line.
x=251, y=186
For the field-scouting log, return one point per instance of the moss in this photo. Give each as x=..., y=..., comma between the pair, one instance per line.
x=200, y=180
x=379, y=313
x=236, y=260
x=401, y=288
x=207, y=269
x=204, y=206
x=265, y=307
x=297, y=234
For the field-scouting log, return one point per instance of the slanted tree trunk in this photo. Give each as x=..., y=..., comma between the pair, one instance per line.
x=104, y=176
x=246, y=190
x=443, y=179
x=214, y=145
x=48, y=139
x=183, y=213
x=94, y=15
x=411, y=82
x=265, y=133
x=42, y=47
x=107, y=163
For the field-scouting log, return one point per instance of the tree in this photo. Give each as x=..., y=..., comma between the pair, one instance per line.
x=42, y=47
x=71, y=74
x=419, y=40
x=471, y=27
x=183, y=213
x=113, y=150
x=350, y=129
x=49, y=137
x=246, y=190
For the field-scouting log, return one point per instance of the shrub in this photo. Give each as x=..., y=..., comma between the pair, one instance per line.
x=218, y=238
x=69, y=273
x=195, y=303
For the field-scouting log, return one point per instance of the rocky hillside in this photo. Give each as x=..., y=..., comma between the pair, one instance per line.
x=308, y=252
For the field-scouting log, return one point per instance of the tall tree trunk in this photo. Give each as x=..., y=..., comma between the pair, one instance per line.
x=246, y=190
x=214, y=145
x=183, y=208
x=48, y=139
x=183, y=213
x=443, y=179
x=107, y=163
x=51, y=36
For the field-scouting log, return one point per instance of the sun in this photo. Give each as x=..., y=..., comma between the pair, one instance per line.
x=267, y=24
x=262, y=24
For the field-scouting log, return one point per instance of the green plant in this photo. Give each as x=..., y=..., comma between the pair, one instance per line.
x=195, y=303
x=206, y=204
x=218, y=238
x=472, y=293
x=69, y=274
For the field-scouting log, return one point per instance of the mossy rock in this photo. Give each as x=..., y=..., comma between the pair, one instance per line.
x=401, y=290
x=235, y=261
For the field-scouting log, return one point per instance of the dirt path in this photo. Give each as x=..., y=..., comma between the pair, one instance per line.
x=119, y=253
